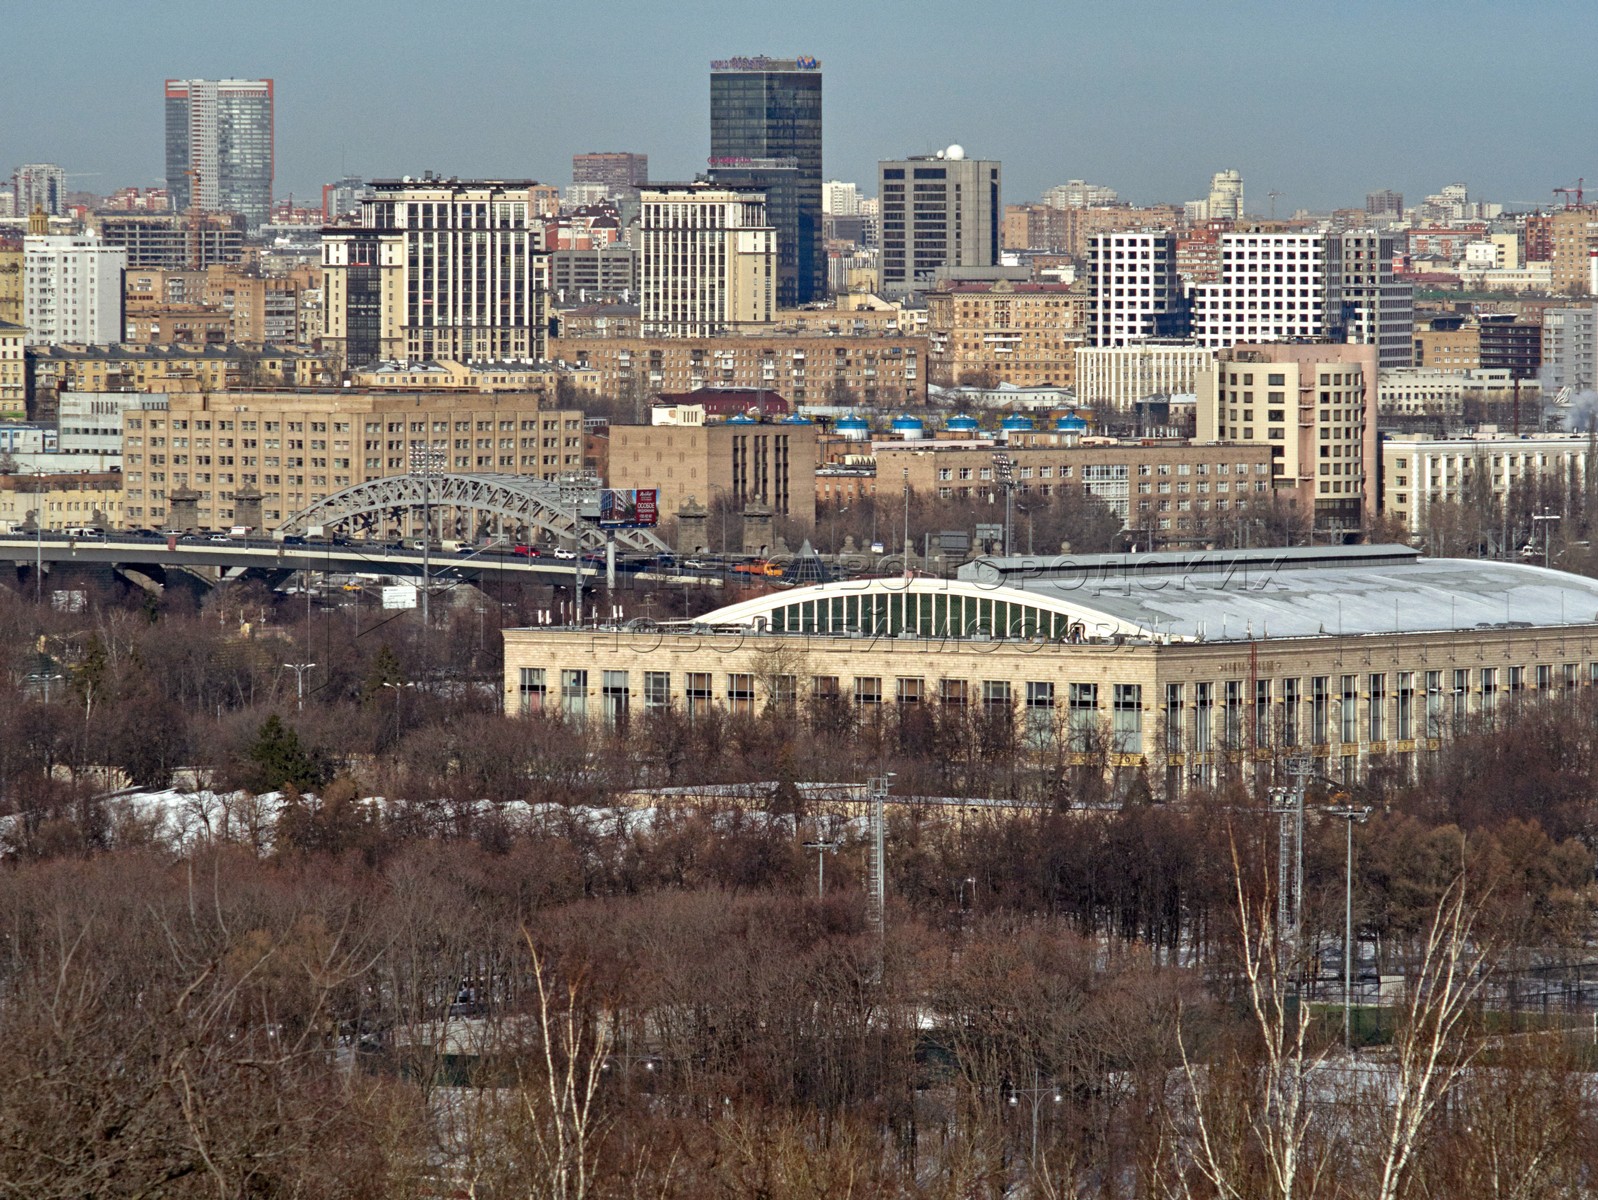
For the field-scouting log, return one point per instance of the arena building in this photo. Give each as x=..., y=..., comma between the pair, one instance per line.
x=1184, y=669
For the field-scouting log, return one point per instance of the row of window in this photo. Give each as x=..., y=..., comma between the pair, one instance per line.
x=1320, y=710
x=737, y=692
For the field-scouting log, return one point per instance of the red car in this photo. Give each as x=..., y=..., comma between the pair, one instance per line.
x=527, y=551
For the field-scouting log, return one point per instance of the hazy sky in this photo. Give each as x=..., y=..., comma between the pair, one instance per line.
x=1148, y=96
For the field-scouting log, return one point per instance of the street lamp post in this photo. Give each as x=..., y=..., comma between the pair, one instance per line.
x=822, y=849
x=1544, y=517
x=968, y=881
x=1035, y=1093
x=1350, y=814
x=299, y=670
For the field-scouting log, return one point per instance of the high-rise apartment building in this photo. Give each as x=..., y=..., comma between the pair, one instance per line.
x=1385, y=203
x=72, y=289
x=765, y=133
x=1314, y=405
x=1573, y=250
x=1378, y=309
x=1226, y=196
x=1134, y=291
x=219, y=146
x=1273, y=287
x=619, y=172
x=1570, y=348
x=343, y=198
x=840, y=199
x=938, y=210
x=707, y=261
x=437, y=268
x=41, y=186
x=1078, y=193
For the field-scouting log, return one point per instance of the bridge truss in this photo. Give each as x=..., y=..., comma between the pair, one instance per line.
x=530, y=507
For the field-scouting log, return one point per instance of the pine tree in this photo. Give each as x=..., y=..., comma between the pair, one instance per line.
x=276, y=759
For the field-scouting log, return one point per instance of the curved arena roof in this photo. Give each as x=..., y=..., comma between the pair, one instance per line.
x=1344, y=591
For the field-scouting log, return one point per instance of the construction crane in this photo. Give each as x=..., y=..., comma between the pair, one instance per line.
x=1568, y=192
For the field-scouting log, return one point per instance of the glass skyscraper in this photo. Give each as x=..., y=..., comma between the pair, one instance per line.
x=765, y=133
x=219, y=146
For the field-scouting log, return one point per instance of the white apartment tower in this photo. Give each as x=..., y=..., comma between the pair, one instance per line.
x=840, y=199
x=1273, y=287
x=706, y=261
x=1226, y=196
x=72, y=290
x=39, y=186
x=1134, y=292
x=1078, y=193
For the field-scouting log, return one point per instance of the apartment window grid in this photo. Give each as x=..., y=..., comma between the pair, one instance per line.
x=741, y=693
x=657, y=691
x=1173, y=718
x=1203, y=716
x=1290, y=711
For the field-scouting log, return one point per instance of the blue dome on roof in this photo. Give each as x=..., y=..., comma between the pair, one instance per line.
x=740, y=419
x=795, y=419
x=963, y=424
x=1070, y=425
x=907, y=422
x=853, y=423
x=1016, y=422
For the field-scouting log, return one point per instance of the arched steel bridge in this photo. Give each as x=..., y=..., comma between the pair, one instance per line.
x=553, y=509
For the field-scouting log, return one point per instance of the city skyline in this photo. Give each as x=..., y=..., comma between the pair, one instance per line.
x=1151, y=101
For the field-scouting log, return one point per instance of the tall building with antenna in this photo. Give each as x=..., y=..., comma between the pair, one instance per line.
x=219, y=146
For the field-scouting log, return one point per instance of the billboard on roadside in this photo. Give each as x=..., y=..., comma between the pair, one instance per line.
x=629, y=508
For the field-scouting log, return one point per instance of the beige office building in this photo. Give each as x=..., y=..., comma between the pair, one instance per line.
x=707, y=261
x=1184, y=670
x=13, y=370
x=76, y=501
x=1573, y=238
x=1170, y=490
x=747, y=463
x=1314, y=406
x=991, y=333
x=816, y=369
x=296, y=448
